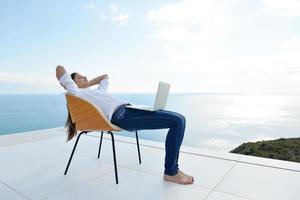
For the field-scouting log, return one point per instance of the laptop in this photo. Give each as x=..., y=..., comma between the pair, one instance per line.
x=160, y=99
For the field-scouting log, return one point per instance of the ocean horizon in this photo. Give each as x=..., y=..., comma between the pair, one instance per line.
x=214, y=121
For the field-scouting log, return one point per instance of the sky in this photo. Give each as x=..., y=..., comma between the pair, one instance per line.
x=198, y=46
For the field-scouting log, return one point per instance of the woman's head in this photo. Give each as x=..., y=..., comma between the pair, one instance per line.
x=80, y=80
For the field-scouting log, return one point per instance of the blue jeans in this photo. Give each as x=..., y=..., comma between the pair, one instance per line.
x=133, y=119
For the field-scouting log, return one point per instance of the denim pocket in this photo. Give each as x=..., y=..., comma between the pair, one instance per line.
x=119, y=115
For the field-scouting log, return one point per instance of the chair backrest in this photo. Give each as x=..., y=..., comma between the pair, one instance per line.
x=87, y=116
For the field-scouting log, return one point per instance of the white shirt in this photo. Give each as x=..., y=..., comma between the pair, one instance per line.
x=98, y=96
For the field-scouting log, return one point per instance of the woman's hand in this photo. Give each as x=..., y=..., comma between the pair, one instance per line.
x=60, y=70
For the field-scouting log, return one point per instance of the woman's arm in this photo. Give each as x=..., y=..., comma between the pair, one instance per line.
x=97, y=80
x=65, y=80
x=60, y=70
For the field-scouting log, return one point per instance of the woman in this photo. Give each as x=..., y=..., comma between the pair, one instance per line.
x=129, y=119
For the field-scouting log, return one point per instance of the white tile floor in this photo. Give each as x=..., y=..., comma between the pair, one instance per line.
x=33, y=169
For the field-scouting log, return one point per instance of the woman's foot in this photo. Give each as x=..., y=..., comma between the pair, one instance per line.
x=180, y=178
x=186, y=174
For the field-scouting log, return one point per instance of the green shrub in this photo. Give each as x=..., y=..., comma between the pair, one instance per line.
x=282, y=149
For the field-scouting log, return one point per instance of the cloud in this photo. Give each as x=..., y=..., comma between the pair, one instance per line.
x=113, y=12
x=292, y=44
x=186, y=20
x=6, y=77
x=27, y=83
x=288, y=8
x=192, y=34
x=90, y=6
x=118, y=15
x=191, y=30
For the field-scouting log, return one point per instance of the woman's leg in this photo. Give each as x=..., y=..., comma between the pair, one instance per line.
x=134, y=119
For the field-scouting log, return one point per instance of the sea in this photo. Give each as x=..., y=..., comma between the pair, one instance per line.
x=218, y=122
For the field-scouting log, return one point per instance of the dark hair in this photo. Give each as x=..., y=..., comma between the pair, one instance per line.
x=71, y=130
x=73, y=75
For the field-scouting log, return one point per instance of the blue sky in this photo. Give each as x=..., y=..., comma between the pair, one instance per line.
x=229, y=46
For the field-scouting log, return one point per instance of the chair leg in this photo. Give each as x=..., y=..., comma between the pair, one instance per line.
x=114, y=154
x=70, y=159
x=100, y=144
x=138, y=146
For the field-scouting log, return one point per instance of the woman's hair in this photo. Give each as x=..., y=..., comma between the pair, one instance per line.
x=71, y=130
x=73, y=75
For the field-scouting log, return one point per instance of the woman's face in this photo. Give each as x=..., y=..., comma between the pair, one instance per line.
x=81, y=81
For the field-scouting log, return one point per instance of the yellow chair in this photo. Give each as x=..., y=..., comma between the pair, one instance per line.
x=88, y=117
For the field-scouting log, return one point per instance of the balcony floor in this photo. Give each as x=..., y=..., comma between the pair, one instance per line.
x=32, y=166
